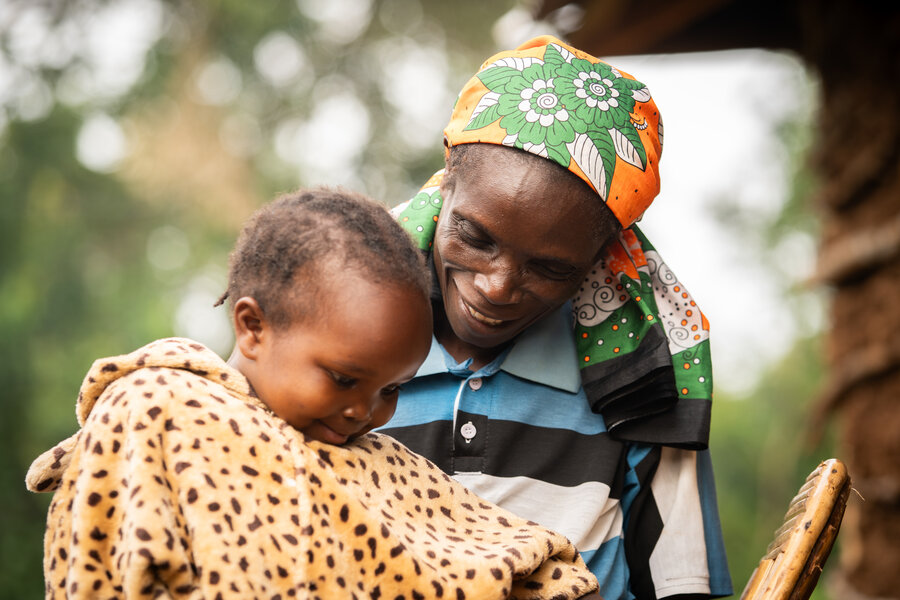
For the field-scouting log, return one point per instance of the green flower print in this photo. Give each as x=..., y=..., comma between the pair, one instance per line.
x=599, y=96
x=529, y=109
x=565, y=108
x=597, y=93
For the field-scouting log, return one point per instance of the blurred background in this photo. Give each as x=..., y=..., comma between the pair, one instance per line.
x=137, y=135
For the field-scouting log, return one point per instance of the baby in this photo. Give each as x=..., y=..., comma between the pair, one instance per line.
x=192, y=477
x=331, y=312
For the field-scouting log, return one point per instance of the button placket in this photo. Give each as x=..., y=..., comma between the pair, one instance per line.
x=467, y=430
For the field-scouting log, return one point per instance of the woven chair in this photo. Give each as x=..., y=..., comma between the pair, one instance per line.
x=793, y=561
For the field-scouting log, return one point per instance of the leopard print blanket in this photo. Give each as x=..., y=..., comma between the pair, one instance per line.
x=181, y=484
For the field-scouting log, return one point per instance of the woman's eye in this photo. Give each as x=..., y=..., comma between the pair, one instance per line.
x=556, y=272
x=472, y=240
x=342, y=380
x=469, y=235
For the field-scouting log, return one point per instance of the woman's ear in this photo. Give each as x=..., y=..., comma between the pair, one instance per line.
x=250, y=326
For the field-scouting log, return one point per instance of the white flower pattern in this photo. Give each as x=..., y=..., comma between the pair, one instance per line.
x=596, y=91
x=546, y=101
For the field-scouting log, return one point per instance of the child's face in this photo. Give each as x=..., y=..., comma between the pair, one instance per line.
x=335, y=375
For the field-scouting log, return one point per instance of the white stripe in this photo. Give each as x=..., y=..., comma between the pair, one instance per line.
x=455, y=410
x=678, y=561
x=584, y=513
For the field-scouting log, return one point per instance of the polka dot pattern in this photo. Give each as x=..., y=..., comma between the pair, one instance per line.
x=419, y=215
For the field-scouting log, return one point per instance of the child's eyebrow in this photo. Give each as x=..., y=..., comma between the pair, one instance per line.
x=352, y=369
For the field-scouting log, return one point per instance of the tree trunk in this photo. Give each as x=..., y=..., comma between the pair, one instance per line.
x=857, y=54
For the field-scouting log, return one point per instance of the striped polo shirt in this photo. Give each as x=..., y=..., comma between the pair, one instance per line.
x=520, y=433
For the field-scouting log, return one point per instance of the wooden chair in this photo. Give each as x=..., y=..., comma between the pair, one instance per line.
x=793, y=561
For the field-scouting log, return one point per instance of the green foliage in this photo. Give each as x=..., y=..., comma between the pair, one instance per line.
x=761, y=442
x=73, y=279
x=763, y=451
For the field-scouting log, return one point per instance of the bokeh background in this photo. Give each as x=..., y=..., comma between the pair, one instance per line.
x=136, y=135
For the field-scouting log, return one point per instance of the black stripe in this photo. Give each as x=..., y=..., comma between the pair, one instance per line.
x=513, y=449
x=643, y=529
x=431, y=440
x=634, y=385
x=469, y=454
x=638, y=398
x=686, y=425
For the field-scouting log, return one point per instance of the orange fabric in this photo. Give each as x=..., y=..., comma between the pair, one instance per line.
x=550, y=99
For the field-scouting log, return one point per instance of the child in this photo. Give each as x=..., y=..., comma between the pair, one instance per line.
x=192, y=477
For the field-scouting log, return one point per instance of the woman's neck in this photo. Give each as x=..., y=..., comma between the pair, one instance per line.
x=459, y=349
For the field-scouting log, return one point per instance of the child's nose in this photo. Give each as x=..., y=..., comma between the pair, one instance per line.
x=359, y=410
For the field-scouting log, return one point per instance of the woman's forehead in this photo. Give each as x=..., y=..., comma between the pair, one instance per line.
x=483, y=163
x=494, y=179
x=524, y=209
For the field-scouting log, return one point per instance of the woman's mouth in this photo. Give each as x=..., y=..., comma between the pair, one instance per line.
x=480, y=317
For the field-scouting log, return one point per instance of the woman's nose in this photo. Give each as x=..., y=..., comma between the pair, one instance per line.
x=498, y=284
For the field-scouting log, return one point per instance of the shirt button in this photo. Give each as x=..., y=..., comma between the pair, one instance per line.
x=468, y=431
x=475, y=384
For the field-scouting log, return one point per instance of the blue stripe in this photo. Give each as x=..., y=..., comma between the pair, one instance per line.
x=608, y=564
x=424, y=400
x=719, y=577
x=430, y=398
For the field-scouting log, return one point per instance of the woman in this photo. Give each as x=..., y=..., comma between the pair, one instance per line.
x=596, y=428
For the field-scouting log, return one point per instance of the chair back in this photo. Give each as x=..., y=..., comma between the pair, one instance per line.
x=793, y=561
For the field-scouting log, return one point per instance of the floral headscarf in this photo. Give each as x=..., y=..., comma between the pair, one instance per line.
x=643, y=343
x=552, y=100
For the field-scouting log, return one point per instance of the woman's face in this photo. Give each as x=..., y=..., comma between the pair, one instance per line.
x=513, y=243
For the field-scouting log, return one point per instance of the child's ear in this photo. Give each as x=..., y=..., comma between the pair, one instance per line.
x=250, y=326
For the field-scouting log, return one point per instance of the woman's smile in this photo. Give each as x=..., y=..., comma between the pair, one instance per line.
x=481, y=318
x=474, y=320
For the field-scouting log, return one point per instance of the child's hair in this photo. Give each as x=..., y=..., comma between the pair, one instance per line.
x=290, y=245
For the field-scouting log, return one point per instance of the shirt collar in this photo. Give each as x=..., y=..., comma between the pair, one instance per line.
x=544, y=353
x=434, y=362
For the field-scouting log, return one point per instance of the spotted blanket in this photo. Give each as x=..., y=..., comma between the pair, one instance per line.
x=181, y=484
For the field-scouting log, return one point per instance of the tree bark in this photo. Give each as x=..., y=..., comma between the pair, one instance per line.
x=856, y=51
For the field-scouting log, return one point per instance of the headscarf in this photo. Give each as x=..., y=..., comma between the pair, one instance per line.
x=643, y=344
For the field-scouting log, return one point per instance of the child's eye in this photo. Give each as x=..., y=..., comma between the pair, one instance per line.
x=343, y=381
x=390, y=390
